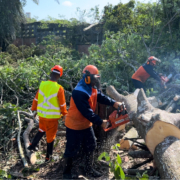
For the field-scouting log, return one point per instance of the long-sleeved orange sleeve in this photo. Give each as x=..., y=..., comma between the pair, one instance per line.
x=62, y=101
x=35, y=102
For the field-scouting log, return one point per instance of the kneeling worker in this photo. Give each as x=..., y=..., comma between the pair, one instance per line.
x=144, y=72
x=50, y=105
x=79, y=132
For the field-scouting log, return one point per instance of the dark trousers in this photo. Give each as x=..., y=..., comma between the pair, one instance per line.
x=137, y=84
x=79, y=141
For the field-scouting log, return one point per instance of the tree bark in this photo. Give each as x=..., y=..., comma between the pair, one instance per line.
x=155, y=126
x=21, y=152
x=32, y=156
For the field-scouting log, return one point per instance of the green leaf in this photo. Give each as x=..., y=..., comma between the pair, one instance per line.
x=119, y=159
x=36, y=169
x=117, y=173
x=105, y=155
x=9, y=176
x=122, y=174
x=3, y=173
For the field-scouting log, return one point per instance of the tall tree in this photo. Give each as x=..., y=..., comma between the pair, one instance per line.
x=11, y=15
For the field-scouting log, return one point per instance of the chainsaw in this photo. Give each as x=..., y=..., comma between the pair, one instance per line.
x=117, y=118
x=165, y=79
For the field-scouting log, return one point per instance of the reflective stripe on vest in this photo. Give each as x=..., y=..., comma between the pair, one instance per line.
x=48, y=105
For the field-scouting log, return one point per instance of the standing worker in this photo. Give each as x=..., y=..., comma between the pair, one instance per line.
x=144, y=72
x=50, y=105
x=79, y=132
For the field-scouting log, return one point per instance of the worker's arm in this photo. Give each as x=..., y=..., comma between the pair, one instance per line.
x=62, y=101
x=149, y=69
x=35, y=102
x=103, y=99
x=81, y=100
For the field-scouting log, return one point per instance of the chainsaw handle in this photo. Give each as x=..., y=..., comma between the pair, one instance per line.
x=123, y=111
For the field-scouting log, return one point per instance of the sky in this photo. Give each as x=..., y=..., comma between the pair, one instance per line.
x=66, y=8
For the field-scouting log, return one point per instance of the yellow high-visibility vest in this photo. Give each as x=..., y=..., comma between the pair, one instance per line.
x=48, y=105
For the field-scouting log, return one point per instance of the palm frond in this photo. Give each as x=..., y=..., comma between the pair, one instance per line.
x=57, y=1
x=36, y=1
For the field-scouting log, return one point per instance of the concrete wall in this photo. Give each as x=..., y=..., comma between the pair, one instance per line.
x=83, y=48
x=28, y=41
x=24, y=41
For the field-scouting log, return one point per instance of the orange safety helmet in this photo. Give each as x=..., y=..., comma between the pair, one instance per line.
x=57, y=69
x=91, y=68
x=92, y=76
x=153, y=59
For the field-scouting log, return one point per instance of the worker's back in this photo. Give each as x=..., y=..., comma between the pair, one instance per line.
x=48, y=105
x=141, y=74
x=74, y=119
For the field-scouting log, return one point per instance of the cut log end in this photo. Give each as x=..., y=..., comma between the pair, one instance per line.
x=159, y=132
x=32, y=158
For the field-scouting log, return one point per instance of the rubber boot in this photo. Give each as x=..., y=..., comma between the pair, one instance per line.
x=75, y=167
x=49, y=151
x=67, y=166
x=37, y=138
x=89, y=170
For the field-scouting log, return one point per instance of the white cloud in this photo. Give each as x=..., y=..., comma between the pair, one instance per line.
x=67, y=3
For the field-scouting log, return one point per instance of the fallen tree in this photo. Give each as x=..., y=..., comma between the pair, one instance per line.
x=158, y=128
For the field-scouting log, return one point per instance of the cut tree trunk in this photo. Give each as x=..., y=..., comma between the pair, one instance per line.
x=155, y=126
x=130, y=100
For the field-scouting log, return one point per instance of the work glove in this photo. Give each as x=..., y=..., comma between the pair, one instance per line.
x=118, y=104
x=104, y=124
x=121, y=106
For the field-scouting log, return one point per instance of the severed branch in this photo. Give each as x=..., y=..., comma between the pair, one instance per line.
x=31, y=155
x=30, y=116
x=172, y=104
x=90, y=26
x=19, y=142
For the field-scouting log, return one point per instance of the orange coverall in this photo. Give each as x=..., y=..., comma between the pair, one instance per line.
x=50, y=126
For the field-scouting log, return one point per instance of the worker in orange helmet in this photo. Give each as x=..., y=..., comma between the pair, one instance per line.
x=79, y=132
x=145, y=71
x=50, y=105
